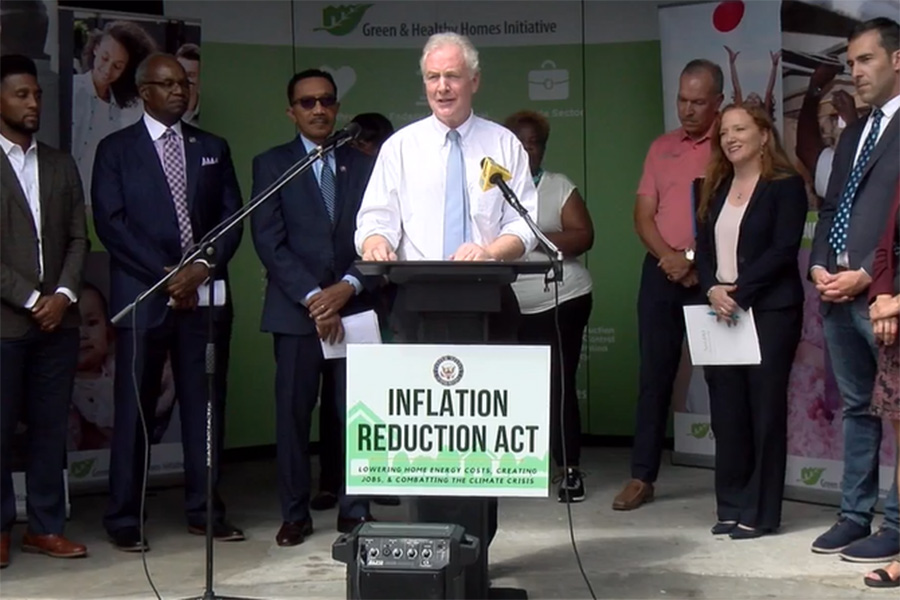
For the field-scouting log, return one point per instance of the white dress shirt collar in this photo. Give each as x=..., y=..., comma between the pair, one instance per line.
x=890, y=108
x=463, y=129
x=157, y=129
x=8, y=145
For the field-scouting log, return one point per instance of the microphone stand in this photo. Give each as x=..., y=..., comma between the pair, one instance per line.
x=553, y=253
x=205, y=250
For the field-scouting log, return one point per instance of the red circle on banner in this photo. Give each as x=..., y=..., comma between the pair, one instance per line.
x=728, y=15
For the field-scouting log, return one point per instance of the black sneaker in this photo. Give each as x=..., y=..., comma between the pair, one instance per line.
x=571, y=488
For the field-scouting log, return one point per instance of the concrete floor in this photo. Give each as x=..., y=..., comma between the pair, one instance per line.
x=663, y=550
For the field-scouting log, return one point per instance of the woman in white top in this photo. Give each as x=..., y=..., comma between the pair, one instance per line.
x=105, y=97
x=750, y=219
x=563, y=217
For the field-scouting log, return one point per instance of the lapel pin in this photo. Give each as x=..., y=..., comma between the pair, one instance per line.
x=342, y=169
x=192, y=140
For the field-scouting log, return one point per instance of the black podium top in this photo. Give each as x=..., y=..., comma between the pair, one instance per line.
x=407, y=271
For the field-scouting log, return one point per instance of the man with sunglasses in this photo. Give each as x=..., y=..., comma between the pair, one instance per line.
x=159, y=186
x=304, y=237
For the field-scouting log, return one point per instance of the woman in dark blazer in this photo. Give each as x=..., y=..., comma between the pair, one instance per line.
x=751, y=216
x=884, y=311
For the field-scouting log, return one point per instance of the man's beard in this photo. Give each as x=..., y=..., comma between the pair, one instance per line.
x=21, y=127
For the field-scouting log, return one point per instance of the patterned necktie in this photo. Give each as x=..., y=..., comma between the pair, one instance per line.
x=455, y=203
x=173, y=166
x=837, y=237
x=327, y=186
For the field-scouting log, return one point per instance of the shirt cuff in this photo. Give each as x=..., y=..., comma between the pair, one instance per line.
x=67, y=293
x=357, y=286
x=32, y=300
x=315, y=291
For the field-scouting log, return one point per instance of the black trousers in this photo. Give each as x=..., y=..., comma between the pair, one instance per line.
x=660, y=338
x=748, y=411
x=182, y=337
x=331, y=448
x=36, y=388
x=540, y=328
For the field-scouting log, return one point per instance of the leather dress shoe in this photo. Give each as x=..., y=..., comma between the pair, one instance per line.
x=128, y=539
x=324, y=500
x=635, y=494
x=293, y=533
x=54, y=545
x=346, y=525
x=4, y=550
x=223, y=531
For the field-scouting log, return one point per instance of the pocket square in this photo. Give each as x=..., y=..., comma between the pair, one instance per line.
x=209, y=160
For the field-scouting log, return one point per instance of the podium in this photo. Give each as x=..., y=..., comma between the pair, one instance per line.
x=448, y=302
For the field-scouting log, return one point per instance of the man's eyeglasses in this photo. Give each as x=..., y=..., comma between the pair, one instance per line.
x=309, y=102
x=170, y=84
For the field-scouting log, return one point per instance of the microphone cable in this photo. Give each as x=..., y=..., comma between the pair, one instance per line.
x=145, y=430
x=562, y=434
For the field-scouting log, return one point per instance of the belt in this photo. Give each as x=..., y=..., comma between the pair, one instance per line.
x=841, y=269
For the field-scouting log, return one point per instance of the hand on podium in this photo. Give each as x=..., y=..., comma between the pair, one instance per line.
x=377, y=248
x=470, y=251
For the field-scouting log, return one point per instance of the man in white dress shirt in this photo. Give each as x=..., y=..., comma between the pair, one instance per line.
x=424, y=201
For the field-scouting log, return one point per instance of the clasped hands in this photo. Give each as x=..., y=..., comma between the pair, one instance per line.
x=883, y=313
x=840, y=287
x=723, y=304
x=679, y=269
x=325, y=309
x=182, y=288
x=49, y=311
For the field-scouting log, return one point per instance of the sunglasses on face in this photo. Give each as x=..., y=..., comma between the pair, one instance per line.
x=309, y=102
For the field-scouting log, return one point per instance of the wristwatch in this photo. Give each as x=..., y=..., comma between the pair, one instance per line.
x=689, y=255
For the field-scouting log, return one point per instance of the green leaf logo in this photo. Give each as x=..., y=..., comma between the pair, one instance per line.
x=341, y=20
x=699, y=430
x=811, y=475
x=81, y=468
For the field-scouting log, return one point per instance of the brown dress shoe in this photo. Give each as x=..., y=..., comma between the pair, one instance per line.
x=4, y=550
x=53, y=545
x=635, y=494
x=293, y=533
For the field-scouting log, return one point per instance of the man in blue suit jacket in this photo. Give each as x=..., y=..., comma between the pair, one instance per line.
x=864, y=175
x=159, y=186
x=304, y=237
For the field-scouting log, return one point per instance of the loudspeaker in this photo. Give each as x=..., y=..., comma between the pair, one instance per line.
x=399, y=561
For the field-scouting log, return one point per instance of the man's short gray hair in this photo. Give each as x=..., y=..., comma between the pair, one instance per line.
x=448, y=38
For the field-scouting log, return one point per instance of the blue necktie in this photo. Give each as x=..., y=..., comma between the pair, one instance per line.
x=837, y=237
x=455, y=203
x=327, y=185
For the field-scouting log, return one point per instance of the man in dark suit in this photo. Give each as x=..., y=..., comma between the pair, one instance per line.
x=43, y=248
x=864, y=176
x=304, y=237
x=159, y=186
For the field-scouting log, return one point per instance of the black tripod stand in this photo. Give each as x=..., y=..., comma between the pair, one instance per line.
x=205, y=250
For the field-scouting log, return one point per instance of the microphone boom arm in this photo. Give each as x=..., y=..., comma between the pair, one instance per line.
x=550, y=249
x=201, y=248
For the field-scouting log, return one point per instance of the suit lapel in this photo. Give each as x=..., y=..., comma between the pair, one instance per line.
x=193, y=156
x=46, y=172
x=342, y=167
x=850, y=147
x=10, y=180
x=150, y=159
x=759, y=191
x=308, y=182
x=890, y=135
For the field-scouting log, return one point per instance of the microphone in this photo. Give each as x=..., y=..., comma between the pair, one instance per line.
x=339, y=138
x=493, y=174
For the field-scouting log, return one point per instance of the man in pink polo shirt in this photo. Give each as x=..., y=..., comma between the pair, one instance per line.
x=664, y=220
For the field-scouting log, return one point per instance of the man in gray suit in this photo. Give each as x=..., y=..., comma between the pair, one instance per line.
x=863, y=180
x=42, y=252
